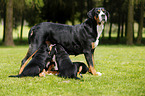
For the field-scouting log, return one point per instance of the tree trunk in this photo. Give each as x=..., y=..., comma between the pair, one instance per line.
x=89, y=3
x=122, y=26
x=139, y=37
x=129, y=37
x=110, y=28
x=4, y=23
x=9, y=24
x=118, y=34
x=103, y=32
x=126, y=23
x=22, y=23
x=73, y=9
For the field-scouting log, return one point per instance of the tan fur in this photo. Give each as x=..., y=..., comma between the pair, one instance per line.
x=92, y=70
x=93, y=45
x=42, y=74
x=80, y=69
x=23, y=66
x=97, y=20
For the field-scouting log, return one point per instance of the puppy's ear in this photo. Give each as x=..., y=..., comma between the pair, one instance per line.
x=91, y=13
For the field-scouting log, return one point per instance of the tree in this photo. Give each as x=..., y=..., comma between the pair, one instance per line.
x=3, y=15
x=139, y=37
x=129, y=37
x=9, y=24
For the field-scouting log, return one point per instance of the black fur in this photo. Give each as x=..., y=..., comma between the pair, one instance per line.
x=37, y=64
x=75, y=39
x=84, y=67
x=65, y=66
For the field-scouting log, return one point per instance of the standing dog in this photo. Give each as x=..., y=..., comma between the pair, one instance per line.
x=77, y=39
x=37, y=64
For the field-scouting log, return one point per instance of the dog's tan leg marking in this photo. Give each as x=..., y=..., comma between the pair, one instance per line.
x=53, y=72
x=42, y=74
x=91, y=68
x=23, y=66
x=80, y=69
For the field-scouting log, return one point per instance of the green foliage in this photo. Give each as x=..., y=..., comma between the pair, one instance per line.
x=37, y=2
x=123, y=68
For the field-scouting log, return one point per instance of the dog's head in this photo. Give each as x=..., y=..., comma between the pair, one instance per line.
x=98, y=14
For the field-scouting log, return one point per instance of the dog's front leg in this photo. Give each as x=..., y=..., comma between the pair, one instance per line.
x=89, y=58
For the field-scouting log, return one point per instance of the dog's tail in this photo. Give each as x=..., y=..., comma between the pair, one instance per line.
x=16, y=75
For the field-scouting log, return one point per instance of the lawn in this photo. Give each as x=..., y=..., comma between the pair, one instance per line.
x=123, y=69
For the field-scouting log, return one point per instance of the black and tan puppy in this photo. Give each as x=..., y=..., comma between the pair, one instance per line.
x=81, y=67
x=37, y=64
x=65, y=66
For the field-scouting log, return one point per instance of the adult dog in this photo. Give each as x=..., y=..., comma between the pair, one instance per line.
x=37, y=64
x=77, y=39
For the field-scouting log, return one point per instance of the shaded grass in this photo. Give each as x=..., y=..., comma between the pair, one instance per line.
x=123, y=68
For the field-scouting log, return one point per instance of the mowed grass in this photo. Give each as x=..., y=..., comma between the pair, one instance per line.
x=123, y=69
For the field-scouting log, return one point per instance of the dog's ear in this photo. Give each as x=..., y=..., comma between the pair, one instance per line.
x=91, y=13
x=108, y=15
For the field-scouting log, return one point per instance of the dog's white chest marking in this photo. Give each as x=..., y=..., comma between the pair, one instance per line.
x=99, y=31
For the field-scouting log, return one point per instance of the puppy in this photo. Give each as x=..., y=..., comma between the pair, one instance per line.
x=37, y=63
x=81, y=68
x=65, y=66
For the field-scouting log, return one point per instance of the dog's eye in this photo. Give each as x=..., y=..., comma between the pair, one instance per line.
x=98, y=11
x=103, y=10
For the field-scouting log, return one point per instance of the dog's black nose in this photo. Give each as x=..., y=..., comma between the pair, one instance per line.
x=103, y=16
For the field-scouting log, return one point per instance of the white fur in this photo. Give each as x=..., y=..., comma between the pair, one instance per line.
x=99, y=31
x=100, y=16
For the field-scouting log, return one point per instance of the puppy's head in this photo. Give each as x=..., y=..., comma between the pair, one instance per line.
x=100, y=15
x=60, y=49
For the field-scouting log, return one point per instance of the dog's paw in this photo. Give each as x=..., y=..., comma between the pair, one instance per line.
x=99, y=74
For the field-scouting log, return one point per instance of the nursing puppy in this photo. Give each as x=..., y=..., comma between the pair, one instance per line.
x=81, y=67
x=65, y=66
x=37, y=64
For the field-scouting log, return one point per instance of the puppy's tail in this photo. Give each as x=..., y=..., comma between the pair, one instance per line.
x=16, y=75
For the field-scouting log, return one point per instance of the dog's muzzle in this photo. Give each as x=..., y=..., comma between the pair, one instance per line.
x=102, y=17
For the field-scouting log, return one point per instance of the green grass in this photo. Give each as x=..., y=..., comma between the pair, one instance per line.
x=123, y=68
